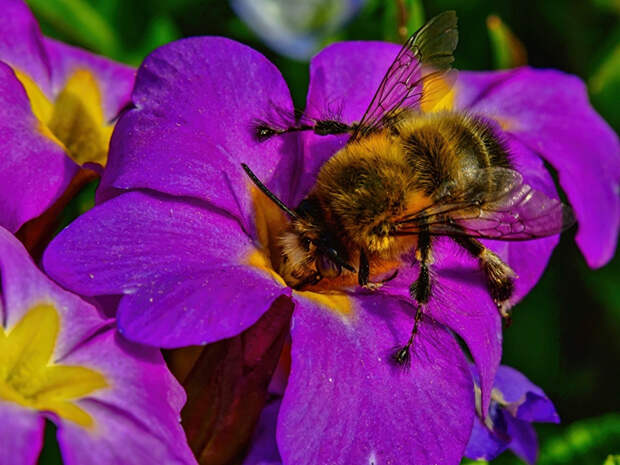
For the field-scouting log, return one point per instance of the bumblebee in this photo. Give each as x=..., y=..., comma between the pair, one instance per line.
x=405, y=177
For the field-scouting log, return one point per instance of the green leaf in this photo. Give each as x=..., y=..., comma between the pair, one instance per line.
x=612, y=460
x=161, y=30
x=586, y=441
x=508, y=51
x=611, y=5
x=604, y=84
x=80, y=21
x=402, y=18
x=416, y=15
x=50, y=454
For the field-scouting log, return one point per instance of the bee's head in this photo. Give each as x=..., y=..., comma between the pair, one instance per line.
x=308, y=255
x=309, y=252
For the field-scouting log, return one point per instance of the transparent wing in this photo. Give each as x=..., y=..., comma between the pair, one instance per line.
x=420, y=71
x=493, y=203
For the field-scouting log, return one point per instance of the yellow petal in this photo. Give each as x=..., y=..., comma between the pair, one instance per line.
x=68, y=411
x=29, y=345
x=29, y=377
x=68, y=382
x=40, y=104
x=77, y=119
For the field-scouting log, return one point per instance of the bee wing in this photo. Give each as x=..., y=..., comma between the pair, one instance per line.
x=493, y=203
x=425, y=59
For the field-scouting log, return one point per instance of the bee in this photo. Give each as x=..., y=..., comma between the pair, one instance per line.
x=405, y=177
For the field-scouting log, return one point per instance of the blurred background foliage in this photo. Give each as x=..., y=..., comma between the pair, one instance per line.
x=566, y=333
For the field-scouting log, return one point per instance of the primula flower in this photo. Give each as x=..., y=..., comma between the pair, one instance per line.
x=57, y=104
x=113, y=401
x=188, y=243
x=515, y=404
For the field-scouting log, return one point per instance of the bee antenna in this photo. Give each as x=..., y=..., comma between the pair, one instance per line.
x=268, y=193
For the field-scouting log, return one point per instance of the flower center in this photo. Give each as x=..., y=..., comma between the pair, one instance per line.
x=75, y=120
x=270, y=223
x=28, y=375
x=438, y=94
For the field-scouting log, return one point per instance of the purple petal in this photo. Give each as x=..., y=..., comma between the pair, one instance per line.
x=136, y=418
x=263, y=448
x=24, y=286
x=21, y=434
x=472, y=87
x=344, y=386
x=524, y=442
x=483, y=444
x=21, y=43
x=35, y=170
x=197, y=101
x=115, y=79
x=549, y=112
x=121, y=439
x=176, y=311
x=526, y=400
x=178, y=265
x=514, y=385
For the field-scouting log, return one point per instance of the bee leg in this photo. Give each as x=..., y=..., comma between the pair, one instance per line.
x=500, y=277
x=330, y=126
x=363, y=274
x=420, y=290
x=263, y=131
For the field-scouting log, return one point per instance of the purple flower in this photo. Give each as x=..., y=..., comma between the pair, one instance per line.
x=515, y=404
x=57, y=104
x=187, y=242
x=113, y=401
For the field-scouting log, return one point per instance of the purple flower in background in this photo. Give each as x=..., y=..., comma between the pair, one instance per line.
x=188, y=244
x=113, y=401
x=515, y=404
x=57, y=104
x=295, y=29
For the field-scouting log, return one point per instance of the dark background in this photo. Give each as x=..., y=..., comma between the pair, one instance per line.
x=566, y=333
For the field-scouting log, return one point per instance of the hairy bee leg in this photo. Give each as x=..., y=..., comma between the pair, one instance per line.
x=420, y=290
x=320, y=128
x=363, y=272
x=264, y=132
x=500, y=277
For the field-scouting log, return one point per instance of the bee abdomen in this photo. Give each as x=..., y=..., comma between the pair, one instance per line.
x=439, y=147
